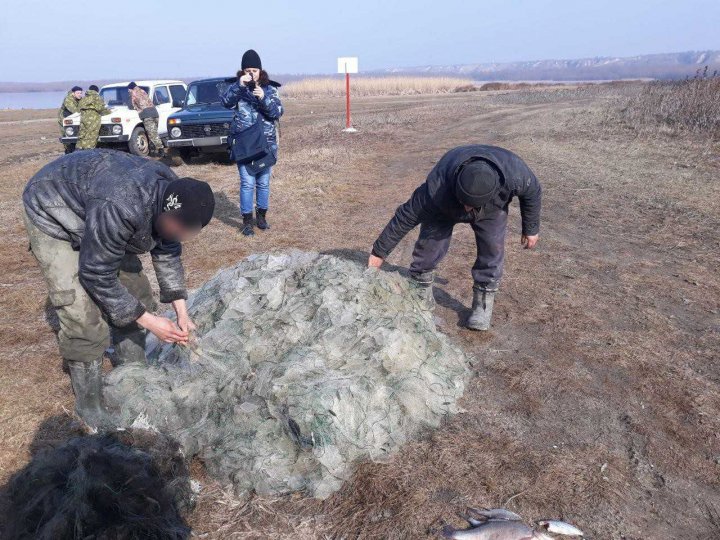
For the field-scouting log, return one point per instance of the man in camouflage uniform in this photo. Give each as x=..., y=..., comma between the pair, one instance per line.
x=88, y=216
x=69, y=106
x=141, y=102
x=92, y=108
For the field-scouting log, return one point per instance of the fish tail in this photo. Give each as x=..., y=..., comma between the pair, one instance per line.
x=448, y=531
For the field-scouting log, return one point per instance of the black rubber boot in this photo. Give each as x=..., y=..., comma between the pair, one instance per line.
x=86, y=378
x=261, y=221
x=422, y=284
x=129, y=345
x=482, y=308
x=248, y=229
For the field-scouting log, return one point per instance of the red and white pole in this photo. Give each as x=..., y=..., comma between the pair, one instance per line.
x=348, y=122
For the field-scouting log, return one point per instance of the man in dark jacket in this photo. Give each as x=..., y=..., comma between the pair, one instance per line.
x=470, y=184
x=88, y=215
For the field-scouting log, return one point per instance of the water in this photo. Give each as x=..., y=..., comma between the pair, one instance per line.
x=31, y=100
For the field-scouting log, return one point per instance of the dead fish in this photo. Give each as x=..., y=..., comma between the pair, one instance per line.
x=495, y=514
x=495, y=530
x=559, y=527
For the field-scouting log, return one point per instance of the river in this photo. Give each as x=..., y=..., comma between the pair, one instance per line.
x=31, y=100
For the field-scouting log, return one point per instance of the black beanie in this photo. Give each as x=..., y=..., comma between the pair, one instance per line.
x=476, y=184
x=93, y=87
x=132, y=85
x=192, y=201
x=251, y=59
x=75, y=89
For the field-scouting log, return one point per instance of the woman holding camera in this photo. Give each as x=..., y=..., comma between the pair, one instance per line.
x=257, y=102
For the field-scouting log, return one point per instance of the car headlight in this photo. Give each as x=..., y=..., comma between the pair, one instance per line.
x=69, y=131
x=117, y=129
x=175, y=132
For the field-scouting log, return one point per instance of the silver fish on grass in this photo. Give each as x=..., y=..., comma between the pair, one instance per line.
x=496, y=530
x=559, y=527
x=496, y=514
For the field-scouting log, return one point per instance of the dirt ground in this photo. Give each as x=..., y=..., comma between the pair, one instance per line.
x=596, y=394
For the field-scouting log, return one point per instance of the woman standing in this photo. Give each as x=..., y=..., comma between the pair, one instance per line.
x=256, y=101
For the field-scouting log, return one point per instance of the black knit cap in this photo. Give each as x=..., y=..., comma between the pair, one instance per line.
x=75, y=89
x=132, y=85
x=251, y=59
x=93, y=87
x=190, y=200
x=477, y=183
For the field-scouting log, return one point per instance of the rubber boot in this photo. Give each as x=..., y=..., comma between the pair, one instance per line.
x=422, y=283
x=129, y=346
x=261, y=221
x=248, y=229
x=86, y=378
x=482, y=308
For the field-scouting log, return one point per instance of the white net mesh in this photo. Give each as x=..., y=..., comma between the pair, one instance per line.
x=305, y=364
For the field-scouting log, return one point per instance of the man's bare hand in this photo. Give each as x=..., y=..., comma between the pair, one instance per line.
x=374, y=262
x=184, y=321
x=259, y=92
x=245, y=79
x=165, y=329
x=529, y=241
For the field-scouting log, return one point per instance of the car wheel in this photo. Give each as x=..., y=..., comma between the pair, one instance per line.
x=138, y=143
x=186, y=154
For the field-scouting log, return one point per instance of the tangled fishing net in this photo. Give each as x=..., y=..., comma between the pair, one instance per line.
x=304, y=365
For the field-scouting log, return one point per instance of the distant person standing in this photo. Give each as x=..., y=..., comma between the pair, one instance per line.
x=141, y=102
x=92, y=108
x=254, y=137
x=70, y=105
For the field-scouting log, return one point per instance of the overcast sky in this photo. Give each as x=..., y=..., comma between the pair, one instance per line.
x=78, y=39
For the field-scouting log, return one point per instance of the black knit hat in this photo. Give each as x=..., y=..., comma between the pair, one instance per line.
x=93, y=87
x=75, y=89
x=477, y=183
x=132, y=85
x=192, y=201
x=251, y=59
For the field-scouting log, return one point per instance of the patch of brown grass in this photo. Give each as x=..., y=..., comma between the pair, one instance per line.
x=692, y=105
x=376, y=86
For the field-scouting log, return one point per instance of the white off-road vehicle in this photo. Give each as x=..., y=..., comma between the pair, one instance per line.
x=123, y=127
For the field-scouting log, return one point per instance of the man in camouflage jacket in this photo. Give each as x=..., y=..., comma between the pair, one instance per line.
x=141, y=102
x=70, y=105
x=88, y=216
x=92, y=108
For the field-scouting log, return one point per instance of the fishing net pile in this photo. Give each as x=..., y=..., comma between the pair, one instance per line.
x=304, y=365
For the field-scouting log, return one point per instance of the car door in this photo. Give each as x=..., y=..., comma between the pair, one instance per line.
x=163, y=103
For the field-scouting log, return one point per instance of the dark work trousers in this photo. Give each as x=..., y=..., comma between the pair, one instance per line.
x=434, y=241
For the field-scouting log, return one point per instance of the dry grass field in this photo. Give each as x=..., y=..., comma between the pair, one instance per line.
x=321, y=87
x=595, y=396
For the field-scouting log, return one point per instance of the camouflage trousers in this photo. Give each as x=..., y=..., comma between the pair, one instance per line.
x=84, y=332
x=151, y=128
x=89, y=130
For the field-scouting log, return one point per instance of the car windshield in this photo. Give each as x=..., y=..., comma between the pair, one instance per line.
x=117, y=95
x=205, y=92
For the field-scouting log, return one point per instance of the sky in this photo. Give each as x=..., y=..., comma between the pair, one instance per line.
x=55, y=40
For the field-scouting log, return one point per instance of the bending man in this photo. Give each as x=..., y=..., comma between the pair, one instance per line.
x=470, y=184
x=88, y=215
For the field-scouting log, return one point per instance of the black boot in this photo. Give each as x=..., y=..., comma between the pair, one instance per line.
x=248, y=229
x=129, y=346
x=422, y=285
x=261, y=221
x=86, y=378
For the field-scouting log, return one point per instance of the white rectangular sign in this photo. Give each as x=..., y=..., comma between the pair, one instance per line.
x=348, y=64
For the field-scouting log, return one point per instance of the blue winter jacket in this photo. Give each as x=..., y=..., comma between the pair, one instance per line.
x=249, y=108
